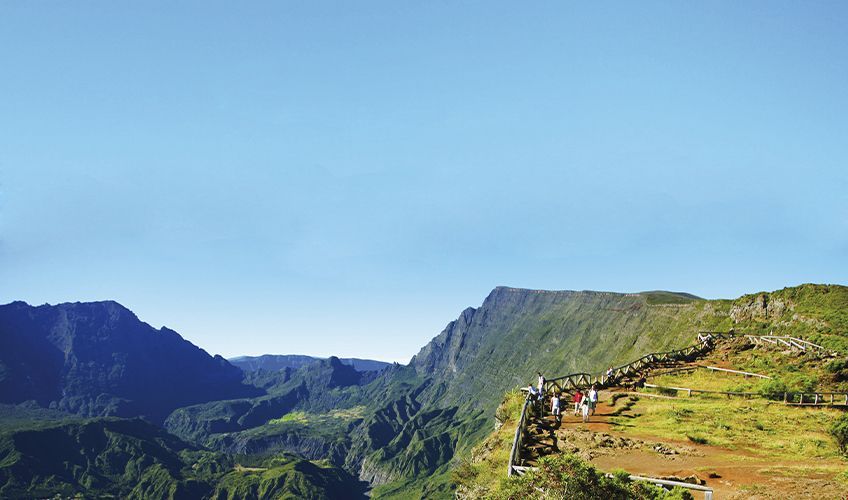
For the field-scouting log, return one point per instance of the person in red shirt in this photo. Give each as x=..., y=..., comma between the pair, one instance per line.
x=578, y=397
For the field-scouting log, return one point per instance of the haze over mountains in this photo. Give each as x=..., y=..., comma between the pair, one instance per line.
x=276, y=362
x=398, y=429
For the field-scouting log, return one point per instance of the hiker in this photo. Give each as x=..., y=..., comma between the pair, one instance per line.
x=578, y=397
x=584, y=408
x=609, y=374
x=555, y=407
x=531, y=392
x=593, y=398
x=541, y=384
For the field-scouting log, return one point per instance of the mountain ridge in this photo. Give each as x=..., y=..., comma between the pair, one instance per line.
x=276, y=362
x=99, y=359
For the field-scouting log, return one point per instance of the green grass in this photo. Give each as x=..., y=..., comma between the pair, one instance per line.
x=763, y=428
x=308, y=419
x=708, y=381
x=480, y=473
x=662, y=297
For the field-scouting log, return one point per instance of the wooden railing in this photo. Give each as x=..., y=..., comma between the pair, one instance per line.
x=708, y=492
x=790, y=398
x=519, y=438
x=785, y=341
x=582, y=380
x=736, y=372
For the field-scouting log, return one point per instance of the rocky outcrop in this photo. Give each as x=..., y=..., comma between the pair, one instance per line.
x=760, y=307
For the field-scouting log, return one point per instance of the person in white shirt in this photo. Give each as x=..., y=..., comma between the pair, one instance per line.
x=532, y=392
x=541, y=384
x=584, y=408
x=593, y=399
x=555, y=407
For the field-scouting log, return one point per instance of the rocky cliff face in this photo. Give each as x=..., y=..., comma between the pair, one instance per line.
x=516, y=332
x=760, y=307
x=98, y=359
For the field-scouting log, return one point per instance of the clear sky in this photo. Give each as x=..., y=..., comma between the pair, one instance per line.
x=345, y=177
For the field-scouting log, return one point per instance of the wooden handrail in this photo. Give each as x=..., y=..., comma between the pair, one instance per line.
x=516, y=442
x=708, y=492
x=772, y=395
x=747, y=374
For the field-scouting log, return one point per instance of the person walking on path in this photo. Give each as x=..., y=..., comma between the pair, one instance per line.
x=593, y=398
x=578, y=397
x=584, y=408
x=541, y=384
x=555, y=407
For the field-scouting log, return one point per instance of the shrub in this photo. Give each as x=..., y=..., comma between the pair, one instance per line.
x=616, y=396
x=836, y=365
x=566, y=476
x=773, y=389
x=680, y=414
x=839, y=369
x=666, y=392
x=697, y=439
x=839, y=431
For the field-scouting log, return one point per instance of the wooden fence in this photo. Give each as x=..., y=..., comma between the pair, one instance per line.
x=793, y=343
x=518, y=440
x=790, y=398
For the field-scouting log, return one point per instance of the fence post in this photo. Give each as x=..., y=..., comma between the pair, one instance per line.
x=784, y=398
x=816, y=400
x=802, y=399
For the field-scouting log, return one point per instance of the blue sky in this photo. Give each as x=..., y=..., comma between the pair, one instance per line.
x=345, y=177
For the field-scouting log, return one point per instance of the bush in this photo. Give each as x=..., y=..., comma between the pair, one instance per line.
x=666, y=392
x=839, y=369
x=773, y=389
x=839, y=431
x=697, y=439
x=616, y=396
x=836, y=365
x=566, y=476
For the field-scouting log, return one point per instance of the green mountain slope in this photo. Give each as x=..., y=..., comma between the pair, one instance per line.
x=118, y=458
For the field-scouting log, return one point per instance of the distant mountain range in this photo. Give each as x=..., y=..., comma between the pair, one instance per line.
x=276, y=362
